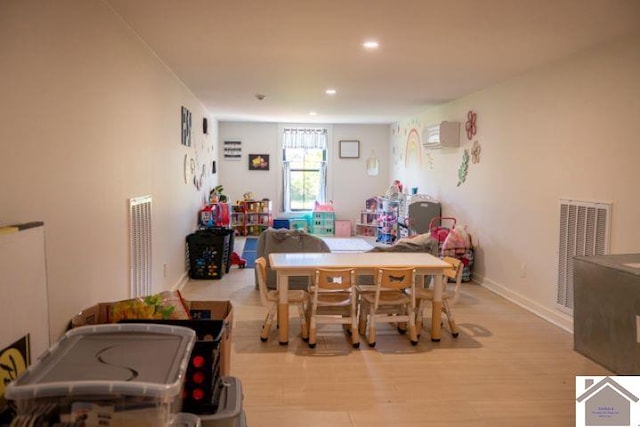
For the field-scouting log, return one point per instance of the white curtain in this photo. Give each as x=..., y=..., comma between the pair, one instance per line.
x=322, y=191
x=286, y=185
x=305, y=138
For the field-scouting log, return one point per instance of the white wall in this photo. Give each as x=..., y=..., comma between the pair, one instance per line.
x=26, y=309
x=348, y=186
x=90, y=118
x=569, y=129
x=351, y=184
x=235, y=176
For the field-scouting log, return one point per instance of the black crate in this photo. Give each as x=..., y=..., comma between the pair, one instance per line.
x=208, y=253
x=201, y=388
x=231, y=242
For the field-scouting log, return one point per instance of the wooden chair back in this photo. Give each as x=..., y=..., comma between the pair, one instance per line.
x=395, y=278
x=455, y=272
x=334, y=279
x=333, y=301
x=261, y=270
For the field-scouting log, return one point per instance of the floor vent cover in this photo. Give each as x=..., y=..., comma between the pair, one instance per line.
x=140, y=245
x=584, y=231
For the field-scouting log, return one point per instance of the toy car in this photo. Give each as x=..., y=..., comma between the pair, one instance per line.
x=237, y=260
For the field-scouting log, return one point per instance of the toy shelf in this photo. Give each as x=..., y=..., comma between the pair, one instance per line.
x=251, y=217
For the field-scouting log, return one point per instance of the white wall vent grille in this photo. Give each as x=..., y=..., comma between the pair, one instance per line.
x=584, y=231
x=140, y=246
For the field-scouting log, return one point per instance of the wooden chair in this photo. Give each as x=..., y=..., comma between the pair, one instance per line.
x=389, y=303
x=271, y=298
x=449, y=296
x=333, y=300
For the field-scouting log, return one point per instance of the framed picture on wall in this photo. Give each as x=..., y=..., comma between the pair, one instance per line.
x=232, y=150
x=349, y=149
x=258, y=162
x=186, y=126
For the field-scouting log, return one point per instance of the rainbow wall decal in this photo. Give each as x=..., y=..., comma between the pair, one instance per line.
x=413, y=153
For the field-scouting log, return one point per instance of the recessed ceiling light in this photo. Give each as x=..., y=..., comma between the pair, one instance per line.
x=370, y=44
x=330, y=91
x=312, y=113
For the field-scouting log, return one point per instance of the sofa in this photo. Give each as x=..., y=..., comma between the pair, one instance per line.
x=284, y=240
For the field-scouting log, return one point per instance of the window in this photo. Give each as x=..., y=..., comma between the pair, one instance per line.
x=304, y=160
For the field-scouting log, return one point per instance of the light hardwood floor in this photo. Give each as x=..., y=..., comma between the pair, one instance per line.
x=508, y=367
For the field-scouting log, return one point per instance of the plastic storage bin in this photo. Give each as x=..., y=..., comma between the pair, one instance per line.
x=208, y=252
x=299, y=224
x=184, y=419
x=230, y=411
x=115, y=374
x=280, y=223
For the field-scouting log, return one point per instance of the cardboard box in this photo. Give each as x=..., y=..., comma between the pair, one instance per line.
x=94, y=315
x=214, y=310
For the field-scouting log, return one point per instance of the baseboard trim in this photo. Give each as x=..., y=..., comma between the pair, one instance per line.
x=557, y=318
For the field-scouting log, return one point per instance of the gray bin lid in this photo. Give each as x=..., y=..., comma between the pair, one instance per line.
x=115, y=359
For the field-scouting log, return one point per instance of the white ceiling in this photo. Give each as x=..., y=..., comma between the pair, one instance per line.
x=431, y=51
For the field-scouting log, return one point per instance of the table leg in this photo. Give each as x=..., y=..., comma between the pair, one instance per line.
x=283, y=321
x=283, y=309
x=436, y=308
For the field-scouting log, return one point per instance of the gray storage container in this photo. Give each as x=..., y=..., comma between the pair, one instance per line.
x=129, y=374
x=606, y=311
x=230, y=411
x=185, y=419
x=420, y=213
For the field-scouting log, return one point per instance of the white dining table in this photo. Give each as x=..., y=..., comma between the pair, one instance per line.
x=364, y=263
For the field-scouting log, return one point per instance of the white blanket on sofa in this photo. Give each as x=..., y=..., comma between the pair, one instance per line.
x=347, y=244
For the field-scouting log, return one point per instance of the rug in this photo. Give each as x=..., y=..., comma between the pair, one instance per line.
x=249, y=251
x=346, y=244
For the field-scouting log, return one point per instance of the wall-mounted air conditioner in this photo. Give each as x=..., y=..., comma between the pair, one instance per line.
x=443, y=135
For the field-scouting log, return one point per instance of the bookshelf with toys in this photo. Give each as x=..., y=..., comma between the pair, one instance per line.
x=387, y=231
x=379, y=219
x=251, y=217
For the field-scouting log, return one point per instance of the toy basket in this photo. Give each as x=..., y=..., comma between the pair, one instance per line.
x=208, y=252
x=458, y=245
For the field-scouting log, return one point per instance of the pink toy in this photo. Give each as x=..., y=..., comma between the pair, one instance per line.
x=439, y=232
x=323, y=207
